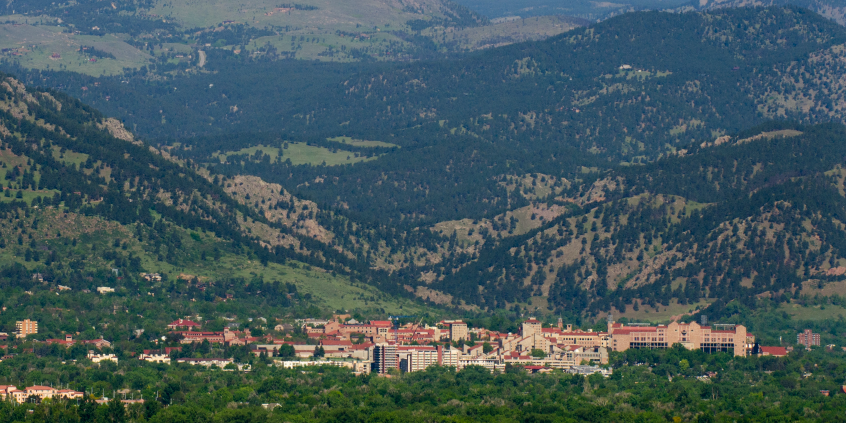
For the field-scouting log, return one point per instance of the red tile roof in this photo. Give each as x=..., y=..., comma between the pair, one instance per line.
x=335, y=342
x=774, y=351
x=183, y=322
x=626, y=331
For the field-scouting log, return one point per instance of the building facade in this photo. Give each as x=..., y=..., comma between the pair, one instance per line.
x=414, y=358
x=384, y=358
x=808, y=339
x=690, y=335
x=26, y=327
x=458, y=331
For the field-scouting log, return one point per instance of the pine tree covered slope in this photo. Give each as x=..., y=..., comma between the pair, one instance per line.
x=507, y=168
x=83, y=196
x=734, y=221
x=548, y=107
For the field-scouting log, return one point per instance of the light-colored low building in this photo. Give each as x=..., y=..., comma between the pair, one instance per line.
x=356, y=366
x=105, y=289
x=207, y=362
x=589, y=370
x=155, y=358
x=490, y=364
x=12, y=393
x=98, y=358
x=213, y=362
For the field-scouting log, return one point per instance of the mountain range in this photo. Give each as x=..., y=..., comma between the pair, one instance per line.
x=651, y=164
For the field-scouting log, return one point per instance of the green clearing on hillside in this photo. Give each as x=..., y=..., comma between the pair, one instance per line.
x=361, y=143
x=69, y=157
x=498, y=34
x=329, y=47
x=827, y=312
x=47, y=47
x=301, y=154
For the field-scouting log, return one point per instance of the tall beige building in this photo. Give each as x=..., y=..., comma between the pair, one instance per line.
x=458, y=331
x=531, y=327
x=26, y=327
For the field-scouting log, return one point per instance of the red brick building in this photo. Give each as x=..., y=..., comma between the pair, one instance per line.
x=808, y=338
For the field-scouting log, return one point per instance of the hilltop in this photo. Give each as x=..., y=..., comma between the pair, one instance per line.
x=123, y=36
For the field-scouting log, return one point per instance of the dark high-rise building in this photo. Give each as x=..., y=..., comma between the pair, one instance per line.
x=384, y=358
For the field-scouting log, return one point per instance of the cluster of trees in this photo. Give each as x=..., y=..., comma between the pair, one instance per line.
x=645, y=386
x=139, y=304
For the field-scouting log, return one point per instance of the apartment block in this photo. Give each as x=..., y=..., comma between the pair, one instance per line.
x=414, y=358
x=385, y=358
x=808, y=338
x=26, y=327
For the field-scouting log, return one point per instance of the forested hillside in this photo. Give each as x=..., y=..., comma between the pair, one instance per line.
x=85, y=204
x=610, y=169
x=749, y=217
x=485, y=184
x=832, y=9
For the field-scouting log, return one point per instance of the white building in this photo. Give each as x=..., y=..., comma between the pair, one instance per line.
x=490, y=364
x=356, y=366
x=97, y=358
x=155, y=358
x=206, y=362
x=589, y=370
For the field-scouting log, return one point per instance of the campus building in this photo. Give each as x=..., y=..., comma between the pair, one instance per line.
x=733, y=339
x=458, y=331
